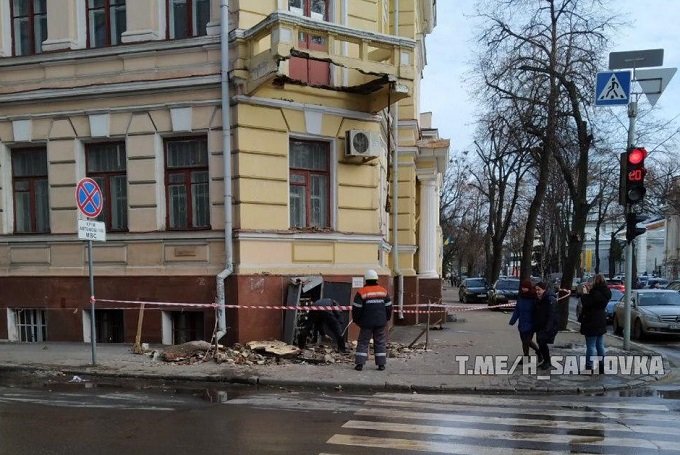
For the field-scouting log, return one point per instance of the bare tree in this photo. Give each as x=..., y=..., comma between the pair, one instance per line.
x=555, y=47
x=501, y=148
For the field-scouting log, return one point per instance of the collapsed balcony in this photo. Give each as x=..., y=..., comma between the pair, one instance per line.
x=291, y=49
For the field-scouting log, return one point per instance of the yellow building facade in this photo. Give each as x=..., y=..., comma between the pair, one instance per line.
x=322, y=94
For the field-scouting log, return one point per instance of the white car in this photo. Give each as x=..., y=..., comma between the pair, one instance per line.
x=652, y=311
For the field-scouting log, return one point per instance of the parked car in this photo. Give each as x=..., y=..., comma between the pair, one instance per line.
x=473, y=290
x=652, y=311
x=616, y=284
x=617, y=296
x=459, y=280
x=656, y=283
x=674, y=285
x=503, y=291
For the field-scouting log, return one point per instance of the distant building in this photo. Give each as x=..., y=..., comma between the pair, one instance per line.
x=649, y=248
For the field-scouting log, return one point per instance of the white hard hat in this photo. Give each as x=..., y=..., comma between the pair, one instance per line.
x=371, y=275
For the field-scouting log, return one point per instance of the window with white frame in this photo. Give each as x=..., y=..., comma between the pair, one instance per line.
x=106, y=164
x=186, y=182
x=316, y=9
x=31, y=325
x=30, y=189
x=29, y=25
x=187, y=18
x=106, y=22
x=309, y=174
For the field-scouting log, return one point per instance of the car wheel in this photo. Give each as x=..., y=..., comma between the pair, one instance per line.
x=638, y=332
x=618, y=330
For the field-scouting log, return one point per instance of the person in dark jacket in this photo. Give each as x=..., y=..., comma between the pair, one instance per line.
x=371, y=311
x=524, y=312
x=320, y=323
x=594, y=319
x=545, y=321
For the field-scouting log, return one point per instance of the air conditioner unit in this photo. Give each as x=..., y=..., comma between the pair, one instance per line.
x=364, y=144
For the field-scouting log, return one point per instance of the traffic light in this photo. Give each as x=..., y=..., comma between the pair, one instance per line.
x=632, y=231
x=635, y=175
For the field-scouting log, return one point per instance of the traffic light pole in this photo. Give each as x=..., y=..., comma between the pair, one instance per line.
x=632, y=115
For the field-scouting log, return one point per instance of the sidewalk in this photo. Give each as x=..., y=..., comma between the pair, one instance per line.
x=435, y=370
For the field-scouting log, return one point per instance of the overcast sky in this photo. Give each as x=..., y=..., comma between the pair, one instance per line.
x=655, y=25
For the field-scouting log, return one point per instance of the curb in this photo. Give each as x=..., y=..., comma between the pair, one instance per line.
x=254, y=380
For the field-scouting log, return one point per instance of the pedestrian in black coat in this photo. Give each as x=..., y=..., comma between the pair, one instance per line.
x=594, y=319
x=545, y=321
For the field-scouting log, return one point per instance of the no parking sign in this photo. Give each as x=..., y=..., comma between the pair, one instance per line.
x=89, y=198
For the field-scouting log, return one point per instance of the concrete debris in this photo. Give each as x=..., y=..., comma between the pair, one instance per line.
x=278, y=348
x=185, y=351
x=270, y=352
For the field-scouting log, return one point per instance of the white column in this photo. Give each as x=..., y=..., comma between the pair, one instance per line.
x=427, y=227
x=641, y=254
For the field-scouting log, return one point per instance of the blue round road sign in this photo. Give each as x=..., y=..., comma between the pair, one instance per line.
x=89, y=198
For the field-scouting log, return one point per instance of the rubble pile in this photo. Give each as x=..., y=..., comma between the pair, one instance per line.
x=269, y=352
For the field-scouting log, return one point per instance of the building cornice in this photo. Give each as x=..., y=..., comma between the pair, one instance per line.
x=151, y=47
x=100, y=90
x=285, y=104
x=309, y=237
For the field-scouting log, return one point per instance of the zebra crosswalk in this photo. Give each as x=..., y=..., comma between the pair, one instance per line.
x=465, y=424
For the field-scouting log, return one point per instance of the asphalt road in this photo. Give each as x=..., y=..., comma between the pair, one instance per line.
x=92, y=418
x=668, y=346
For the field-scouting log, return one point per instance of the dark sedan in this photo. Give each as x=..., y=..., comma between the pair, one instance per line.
x=617, y=296
x=505, y=290
x=473, y=290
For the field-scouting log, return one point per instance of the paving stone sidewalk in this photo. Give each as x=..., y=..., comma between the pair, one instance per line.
x=436, y=369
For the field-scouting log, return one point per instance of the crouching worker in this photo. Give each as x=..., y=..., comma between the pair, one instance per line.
x=371, y=311
x=322, y=323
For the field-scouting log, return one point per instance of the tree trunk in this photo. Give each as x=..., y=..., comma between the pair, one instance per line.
x=532, y=219
x=597, y=248
x=496, y=260
x=612, y=259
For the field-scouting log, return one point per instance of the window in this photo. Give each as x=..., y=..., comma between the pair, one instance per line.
x=309, y=184
x=29, y=25
x=307, y=70
x=187, y=326
x=186, y=180
x=29, y=181
x=105, y=22
x=106, y=165
x=187, y=18
x=316, y=9
x=31, y=325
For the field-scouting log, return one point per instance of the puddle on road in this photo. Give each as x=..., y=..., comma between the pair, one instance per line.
x=669, y=394
x=58, y=382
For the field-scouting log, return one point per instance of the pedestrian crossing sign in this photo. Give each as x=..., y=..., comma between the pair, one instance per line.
x=612, y=88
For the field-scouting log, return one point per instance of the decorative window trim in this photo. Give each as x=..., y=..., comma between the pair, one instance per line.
x=332, y=172
x=185, y=170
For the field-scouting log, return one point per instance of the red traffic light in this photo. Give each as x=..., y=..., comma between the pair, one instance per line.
x=637, y=156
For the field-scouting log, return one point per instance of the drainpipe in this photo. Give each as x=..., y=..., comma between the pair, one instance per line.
x=226, y=154
x=395, y=190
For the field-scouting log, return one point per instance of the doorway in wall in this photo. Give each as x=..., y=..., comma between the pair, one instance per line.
x=109, y=326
